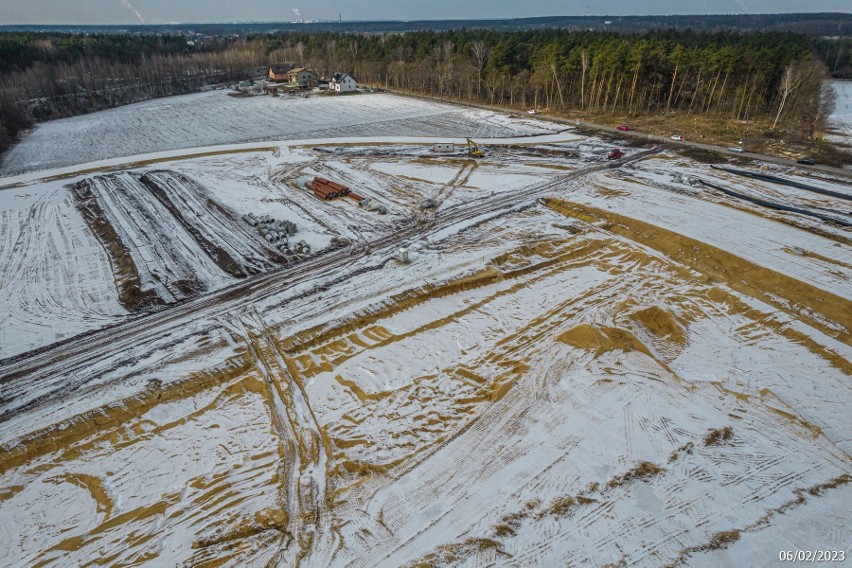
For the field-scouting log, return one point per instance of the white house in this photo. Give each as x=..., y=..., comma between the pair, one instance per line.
x=343, y=83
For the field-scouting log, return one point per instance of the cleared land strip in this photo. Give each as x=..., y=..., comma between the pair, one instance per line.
x=136, y=163
x=50, y=366
x=118, y=164
x=784, y=181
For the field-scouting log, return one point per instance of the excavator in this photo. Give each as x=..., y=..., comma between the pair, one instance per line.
x=473, y=149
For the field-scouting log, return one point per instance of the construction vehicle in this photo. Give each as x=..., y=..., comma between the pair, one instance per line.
x=473, y=149
x=615, y=154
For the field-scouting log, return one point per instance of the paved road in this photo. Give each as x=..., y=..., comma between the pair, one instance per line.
x=50, y=368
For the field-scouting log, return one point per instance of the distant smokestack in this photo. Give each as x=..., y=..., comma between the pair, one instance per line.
x=340, y=17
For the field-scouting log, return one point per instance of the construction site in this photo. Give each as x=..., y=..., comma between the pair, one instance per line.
x=541, y=346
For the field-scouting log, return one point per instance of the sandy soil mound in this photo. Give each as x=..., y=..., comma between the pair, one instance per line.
x=602, y=339
x=661, y=324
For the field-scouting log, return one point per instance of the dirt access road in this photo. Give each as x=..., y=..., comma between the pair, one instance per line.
x=644, y=136
x=34, y=379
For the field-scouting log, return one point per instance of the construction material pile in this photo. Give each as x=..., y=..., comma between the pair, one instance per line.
x=370, y=205
x=277, y=233
x=327, y=189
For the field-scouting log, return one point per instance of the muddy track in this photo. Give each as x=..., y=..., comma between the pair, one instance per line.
x=303, y=492
x=779, y=206
x=124, y=268
x=784, y=181
x=50, y=368
x=146, y=229
x=460, y=180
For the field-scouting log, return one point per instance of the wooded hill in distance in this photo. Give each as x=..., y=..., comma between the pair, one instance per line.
x=815, y=24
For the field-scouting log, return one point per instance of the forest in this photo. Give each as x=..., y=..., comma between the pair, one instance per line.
x=775, y=77
x=736, y=76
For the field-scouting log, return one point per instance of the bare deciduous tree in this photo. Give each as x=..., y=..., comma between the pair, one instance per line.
x=300, y=49
x=584, y=63
x=330, y=47
x=480, y=56
x=558, y=84
x=353, y=51
x=790, y=81
x=444, y=54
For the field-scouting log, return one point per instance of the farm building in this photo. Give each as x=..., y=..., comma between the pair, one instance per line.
x=343, y=83
x=302, y=77
x=279, y=72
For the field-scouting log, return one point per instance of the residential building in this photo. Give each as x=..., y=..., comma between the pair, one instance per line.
x=343, y=83
x=302, y=77
x=279, y=72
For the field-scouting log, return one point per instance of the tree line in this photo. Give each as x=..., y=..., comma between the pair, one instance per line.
x=776, y=77
x=773, y=76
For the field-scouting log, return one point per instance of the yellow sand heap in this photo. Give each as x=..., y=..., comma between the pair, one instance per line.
x=661, y=324
x=602, y=339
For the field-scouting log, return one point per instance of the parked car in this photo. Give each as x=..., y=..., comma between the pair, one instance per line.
x=677, y=137
x=738, y=149
x=806, y=161
x=532, y=111
x=623, y=127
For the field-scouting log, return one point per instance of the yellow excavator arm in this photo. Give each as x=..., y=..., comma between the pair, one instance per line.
x=473, y=149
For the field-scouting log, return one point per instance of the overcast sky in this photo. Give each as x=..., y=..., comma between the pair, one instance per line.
x=199, y=11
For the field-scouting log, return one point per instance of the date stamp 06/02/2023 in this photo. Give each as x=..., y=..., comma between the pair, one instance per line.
x=812, y=556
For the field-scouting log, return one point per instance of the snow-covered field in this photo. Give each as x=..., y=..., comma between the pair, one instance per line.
x=167, y=249
x=633, y=370
x=840, y=120
x=55, y=278
x=214, y=118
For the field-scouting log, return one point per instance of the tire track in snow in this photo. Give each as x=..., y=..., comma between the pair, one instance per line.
x=305, y=495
